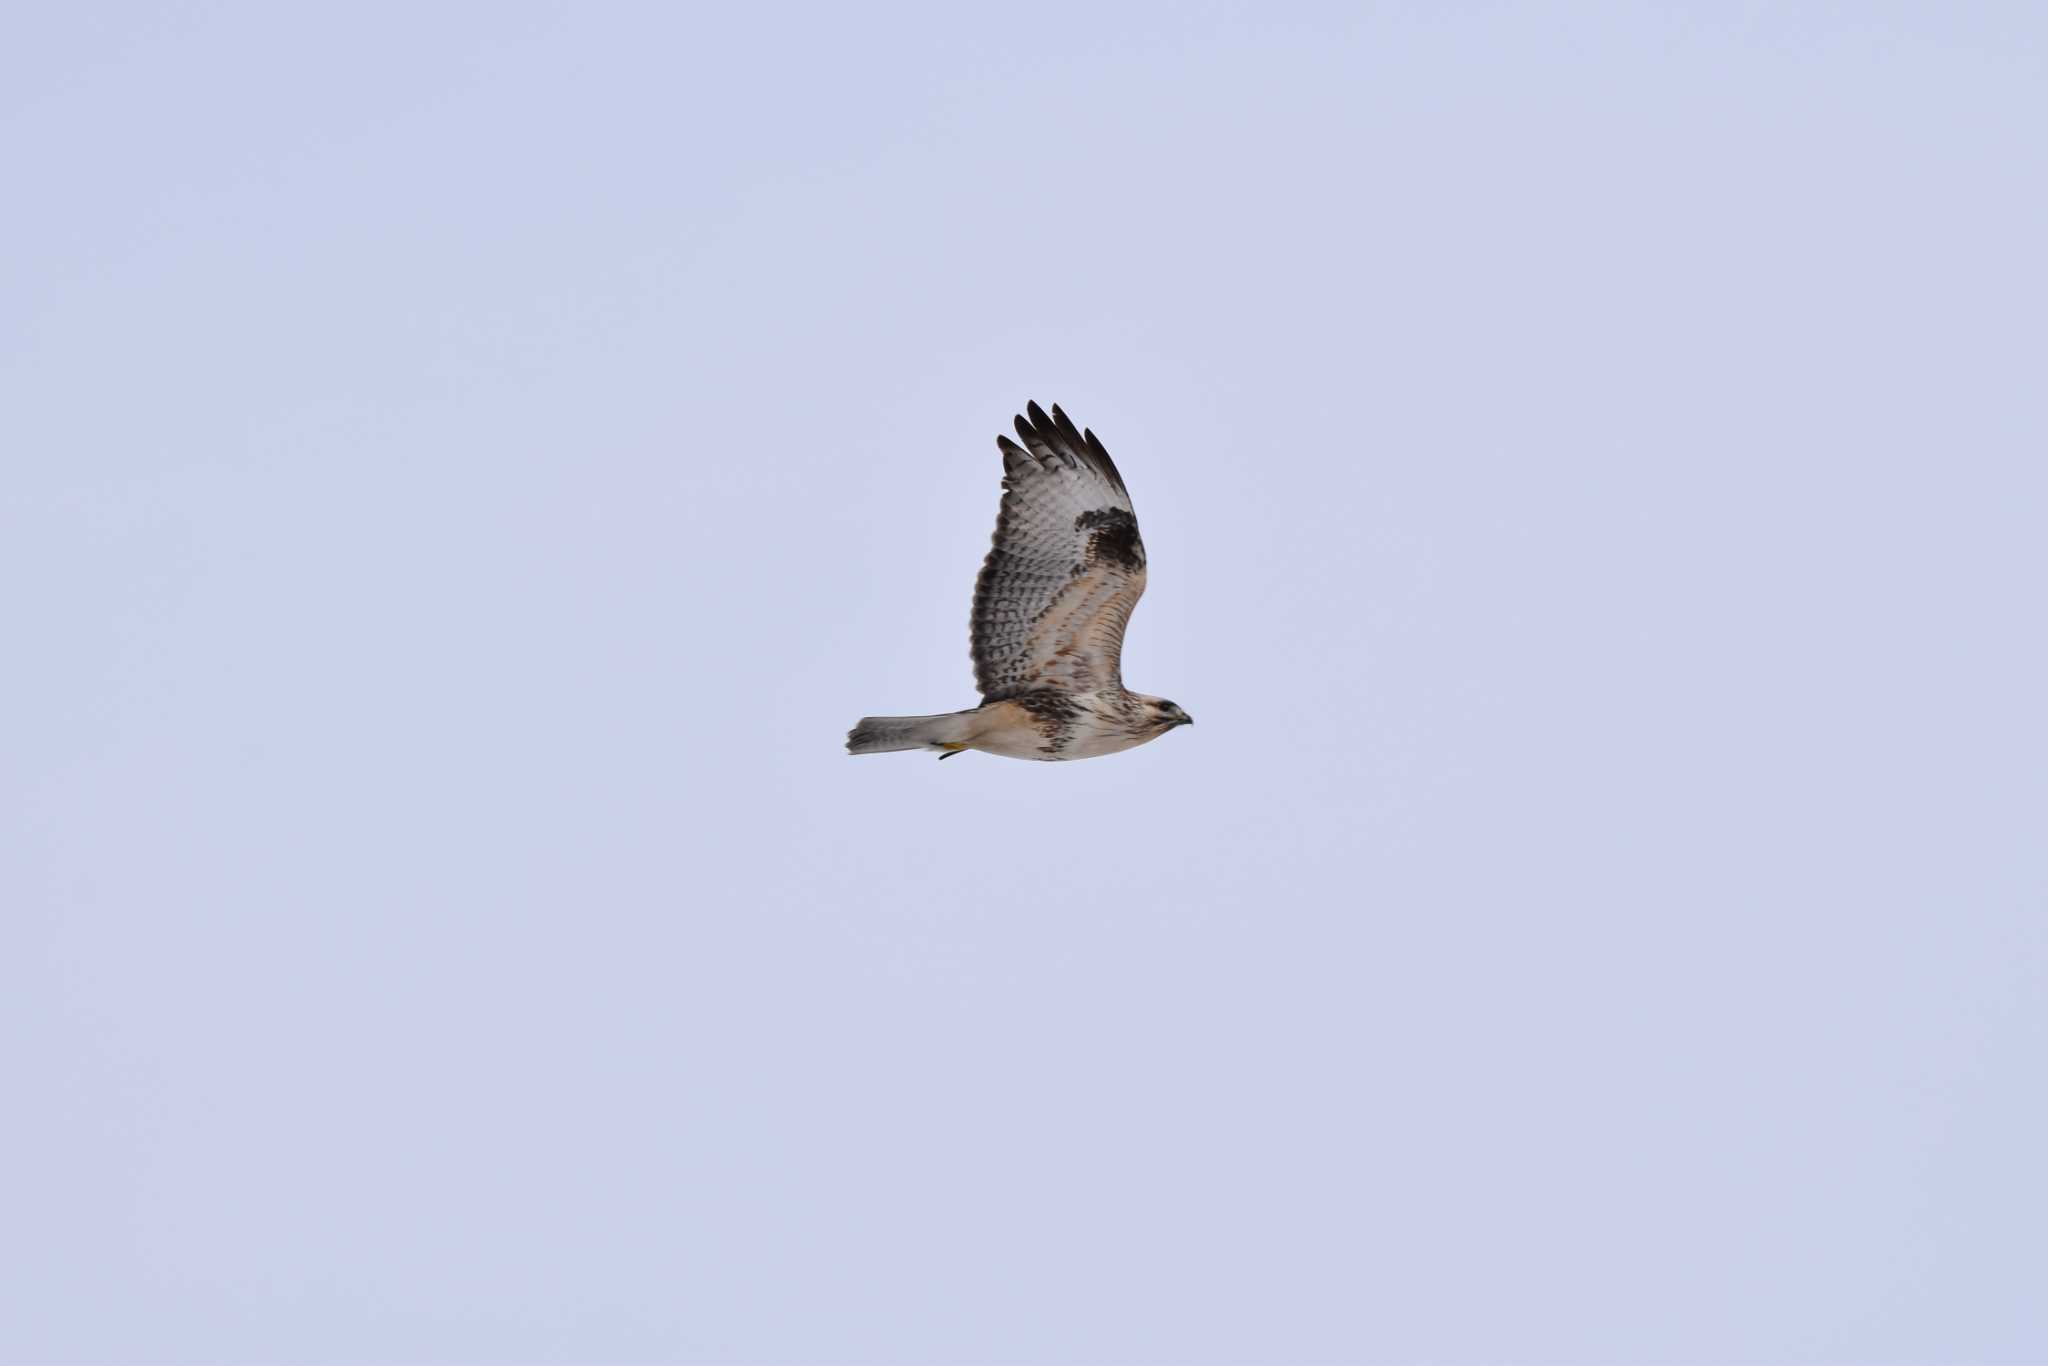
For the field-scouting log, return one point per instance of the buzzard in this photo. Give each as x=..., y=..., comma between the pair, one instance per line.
x=1050, y=607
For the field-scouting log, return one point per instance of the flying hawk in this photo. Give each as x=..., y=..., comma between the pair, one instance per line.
x=1050, y=606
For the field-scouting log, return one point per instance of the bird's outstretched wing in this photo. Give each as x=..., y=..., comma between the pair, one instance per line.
x=1066, y=568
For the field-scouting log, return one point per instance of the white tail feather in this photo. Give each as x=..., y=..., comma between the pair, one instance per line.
x=882, y=734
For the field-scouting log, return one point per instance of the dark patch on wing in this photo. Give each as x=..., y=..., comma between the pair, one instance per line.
x=1113, y=536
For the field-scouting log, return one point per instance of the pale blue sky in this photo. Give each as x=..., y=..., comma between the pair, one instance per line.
x=467, y=465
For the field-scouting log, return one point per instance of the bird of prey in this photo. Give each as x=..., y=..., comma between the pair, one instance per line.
x=1050, y=607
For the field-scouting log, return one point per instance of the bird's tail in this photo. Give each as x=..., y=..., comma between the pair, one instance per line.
x=881, y=734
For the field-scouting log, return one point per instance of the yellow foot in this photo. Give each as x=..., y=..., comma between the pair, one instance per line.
x=951, y=750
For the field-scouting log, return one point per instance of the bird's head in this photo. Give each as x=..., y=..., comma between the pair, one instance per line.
x=1163, y=715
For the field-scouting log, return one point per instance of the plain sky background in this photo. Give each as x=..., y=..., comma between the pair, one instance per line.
x=467, y=466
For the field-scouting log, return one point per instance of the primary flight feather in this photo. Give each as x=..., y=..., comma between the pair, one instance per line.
x=1050, y=606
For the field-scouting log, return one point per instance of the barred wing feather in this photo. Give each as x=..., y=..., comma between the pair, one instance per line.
x=1065, y=570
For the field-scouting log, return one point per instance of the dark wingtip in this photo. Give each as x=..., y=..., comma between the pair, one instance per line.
x=1057, y=434
x=1056, y=437
x=1039, y=436
x=1100, y=455
x=1015, y=457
